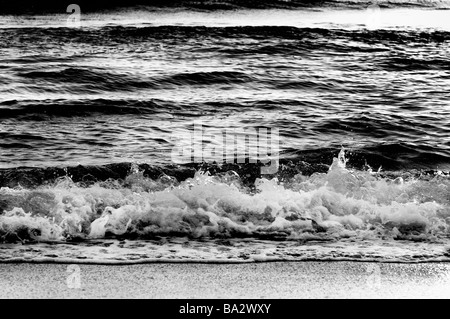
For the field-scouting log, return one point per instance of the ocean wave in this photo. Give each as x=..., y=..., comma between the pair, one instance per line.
x=42, y=110
x=415, y=64
x=118, y=34
x=81, y=80
x=60, y=108
x=230, y=250
x=339, y=203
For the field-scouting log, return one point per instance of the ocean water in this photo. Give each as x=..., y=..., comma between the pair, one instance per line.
x=93, y=110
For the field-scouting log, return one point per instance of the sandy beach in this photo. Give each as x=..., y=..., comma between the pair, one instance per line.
x=257, y=280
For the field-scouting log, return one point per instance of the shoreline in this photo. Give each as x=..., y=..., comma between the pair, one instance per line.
x=51, y=261
x=273, y=280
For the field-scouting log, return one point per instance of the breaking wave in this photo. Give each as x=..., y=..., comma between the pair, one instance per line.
x=340, y=203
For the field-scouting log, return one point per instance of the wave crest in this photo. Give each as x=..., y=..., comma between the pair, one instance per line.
x=341, y=203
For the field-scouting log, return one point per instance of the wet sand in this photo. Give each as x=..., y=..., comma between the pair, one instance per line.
x=257, y=280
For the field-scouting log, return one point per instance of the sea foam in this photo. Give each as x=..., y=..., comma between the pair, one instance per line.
x=339, y=204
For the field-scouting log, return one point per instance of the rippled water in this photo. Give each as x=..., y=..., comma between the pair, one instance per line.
x=116, y=93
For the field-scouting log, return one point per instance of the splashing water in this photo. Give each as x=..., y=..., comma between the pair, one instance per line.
x=343, y=214
x=339, y=204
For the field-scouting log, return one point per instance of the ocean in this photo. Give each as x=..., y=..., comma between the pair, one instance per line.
x=227, y=132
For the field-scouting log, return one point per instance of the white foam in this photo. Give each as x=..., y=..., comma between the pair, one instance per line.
x=339, y=204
